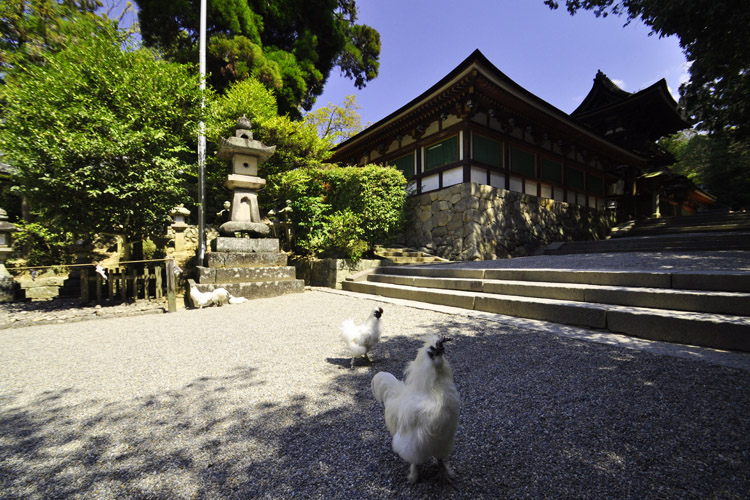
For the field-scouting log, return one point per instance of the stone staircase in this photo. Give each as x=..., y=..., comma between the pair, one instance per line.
x=405, y=255
x=709, y=231
x=709, y=309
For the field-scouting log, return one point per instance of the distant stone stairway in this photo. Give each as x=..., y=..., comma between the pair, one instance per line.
x=710, y=231
x=405, y=255
x=705, y=309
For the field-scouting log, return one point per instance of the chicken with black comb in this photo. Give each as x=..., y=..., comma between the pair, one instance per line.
x=363, y=337
x=421, y=412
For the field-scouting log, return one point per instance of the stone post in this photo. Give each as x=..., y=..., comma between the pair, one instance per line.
x=7, y=284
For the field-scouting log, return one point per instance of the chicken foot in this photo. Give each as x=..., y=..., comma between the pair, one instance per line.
x=444, y=475
x=369, y=361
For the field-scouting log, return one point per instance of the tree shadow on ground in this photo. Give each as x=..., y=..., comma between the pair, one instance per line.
x=541, y=418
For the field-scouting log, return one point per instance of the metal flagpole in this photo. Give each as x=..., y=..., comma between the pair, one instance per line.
x=202, y=140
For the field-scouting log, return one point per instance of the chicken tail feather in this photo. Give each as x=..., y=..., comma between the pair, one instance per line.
x=385, y=386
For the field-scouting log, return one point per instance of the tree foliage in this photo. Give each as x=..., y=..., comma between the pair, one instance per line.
x=336, y=123
x=715, y=162
x=32, y=29
x=290, y=46
x=297, y=143
x=716, y=41
x=99, y=136
x=340, y=211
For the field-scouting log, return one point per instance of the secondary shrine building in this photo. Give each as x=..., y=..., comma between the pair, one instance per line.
x=495, y=171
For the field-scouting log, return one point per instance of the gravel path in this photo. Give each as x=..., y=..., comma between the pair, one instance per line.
x=256, y=400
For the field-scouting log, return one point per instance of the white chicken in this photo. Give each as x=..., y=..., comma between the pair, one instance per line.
x=421, y=413
x=200, y=299
x=363, y=337
x=218, y=297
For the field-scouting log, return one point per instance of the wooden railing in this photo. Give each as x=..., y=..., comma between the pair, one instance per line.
x=124, y=281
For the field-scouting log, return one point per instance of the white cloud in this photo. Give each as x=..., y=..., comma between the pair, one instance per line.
x=619, y=83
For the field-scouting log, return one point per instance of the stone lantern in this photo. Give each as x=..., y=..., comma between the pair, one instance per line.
x=179, y=214
x=6, y=280
x=246, y=155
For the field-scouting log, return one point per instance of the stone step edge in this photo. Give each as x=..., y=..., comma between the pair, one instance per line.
x=289, y=270
x=706, y=301
x=717, y=331
x=719, y=281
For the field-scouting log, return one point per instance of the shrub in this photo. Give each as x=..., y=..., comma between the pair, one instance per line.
x=39, y=245
x=340, y=211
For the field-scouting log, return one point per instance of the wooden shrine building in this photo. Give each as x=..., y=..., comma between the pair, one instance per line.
x=478, y=126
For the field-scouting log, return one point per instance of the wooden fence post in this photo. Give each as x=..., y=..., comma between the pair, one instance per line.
x=146, y=280
x=132, y=277
x=110, y=284
x=98, y=288
x=85, y=296
x=123, y=284
x=158, y=282
x=171, y=288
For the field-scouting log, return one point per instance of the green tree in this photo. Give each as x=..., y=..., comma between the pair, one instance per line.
x=297, y=143
x=715, y=162
x=716, y=41
x=98, y=134
x=290, y=46
x=32, y=29
x=340, y=211
x=336, y=123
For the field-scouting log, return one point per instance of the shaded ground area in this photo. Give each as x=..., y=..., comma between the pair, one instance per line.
x=67, y=310
x=256, y=401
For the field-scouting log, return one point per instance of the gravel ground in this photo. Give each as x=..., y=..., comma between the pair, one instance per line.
x=256, y=400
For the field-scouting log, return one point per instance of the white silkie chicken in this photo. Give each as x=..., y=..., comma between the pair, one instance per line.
x=421, y=412
x=218, y=297
x=200, y=299
x=361, y=338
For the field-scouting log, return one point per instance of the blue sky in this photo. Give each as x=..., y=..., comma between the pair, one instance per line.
x=550, y=53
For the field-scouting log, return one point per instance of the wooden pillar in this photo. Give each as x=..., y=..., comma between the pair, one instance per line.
x=466, y=156
x=171, y=288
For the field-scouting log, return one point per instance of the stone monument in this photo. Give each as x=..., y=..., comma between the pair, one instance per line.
x=246, y=155
x=7, y=284
x=244, y=260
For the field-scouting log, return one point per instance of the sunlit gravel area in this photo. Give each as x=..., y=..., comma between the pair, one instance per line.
x=257, y=400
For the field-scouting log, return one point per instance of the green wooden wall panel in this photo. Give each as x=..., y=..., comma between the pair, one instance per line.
x=488, y=151
x=551, y=170
x=522, y=162
x=441, y=153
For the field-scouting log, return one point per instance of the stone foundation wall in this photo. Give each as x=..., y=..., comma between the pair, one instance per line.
x=329, y=272
x=478, y=222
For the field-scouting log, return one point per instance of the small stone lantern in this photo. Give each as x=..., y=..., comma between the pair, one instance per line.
x=6, y=280
x=178, y=214
x=246, y=155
